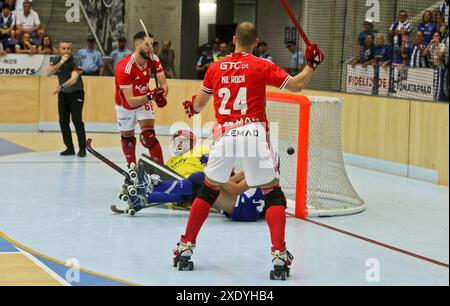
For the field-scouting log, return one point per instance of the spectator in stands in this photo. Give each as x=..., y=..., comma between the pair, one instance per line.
x=205, y=61
x=440, y=24
x=367, y=54
x=70, y=93
x=223, y=52
x=400, y=31
x=297, y=60
x=118, y=54
x=383, y=52
x=215, y=46
x=427, y=27
x=445, y=12
x=25, y=45
x=156, y=48
x=446, y=71
x=27, y=21
x=91, y=59
x=7, y=23
x=368, y=30
x=11, y=4
x=436, y=51
x=263, y=51
x=46, y=47
x=416, y=56
x=167, y=58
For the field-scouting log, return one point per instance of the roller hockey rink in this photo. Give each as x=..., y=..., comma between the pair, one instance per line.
x=58, y=212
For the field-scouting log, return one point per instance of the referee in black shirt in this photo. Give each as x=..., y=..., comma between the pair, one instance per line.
x=70, y=97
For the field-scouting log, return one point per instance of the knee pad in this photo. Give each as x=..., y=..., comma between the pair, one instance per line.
x=148, y=138
x=208, y=194
x=275, y=198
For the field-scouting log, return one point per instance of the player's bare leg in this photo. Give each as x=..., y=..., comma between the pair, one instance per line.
x=276, y=219
x=149, y=140
x=199, y=213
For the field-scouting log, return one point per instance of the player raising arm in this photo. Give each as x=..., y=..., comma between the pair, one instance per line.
x=238, y=84
x=134, y=98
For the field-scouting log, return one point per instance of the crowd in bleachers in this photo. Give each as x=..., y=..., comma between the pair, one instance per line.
x=428, y=48
x=21, y=30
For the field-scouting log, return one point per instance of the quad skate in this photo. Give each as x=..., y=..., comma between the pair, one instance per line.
x=146, y=182
x=183, y=253
x=132, y=172
x=282, y=262
x=135, y=202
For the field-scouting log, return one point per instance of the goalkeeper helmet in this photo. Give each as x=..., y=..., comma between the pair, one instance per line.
x=182, y=141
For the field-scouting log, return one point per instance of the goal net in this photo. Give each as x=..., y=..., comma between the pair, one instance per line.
x=307, y=131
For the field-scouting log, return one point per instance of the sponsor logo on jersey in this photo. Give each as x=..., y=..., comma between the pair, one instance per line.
x=233, y=65
x=243, y=133
x=142, y=89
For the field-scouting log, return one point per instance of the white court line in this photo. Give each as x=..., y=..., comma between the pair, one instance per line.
x=45, y=268
x=9, y=253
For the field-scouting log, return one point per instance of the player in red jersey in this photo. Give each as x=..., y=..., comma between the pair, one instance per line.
x=238, y=84
x=134, y=98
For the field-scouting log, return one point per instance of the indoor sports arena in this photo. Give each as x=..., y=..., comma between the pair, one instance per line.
x=224, y=144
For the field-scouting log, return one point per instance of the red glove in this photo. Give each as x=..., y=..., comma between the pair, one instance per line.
x=189, y=107
x=158, y=96
x=314, y=56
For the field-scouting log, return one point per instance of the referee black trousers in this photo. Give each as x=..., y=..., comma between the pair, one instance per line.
x=71, y=105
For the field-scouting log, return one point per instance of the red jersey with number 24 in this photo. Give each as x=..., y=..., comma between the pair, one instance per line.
x=130, y=75
x=238, y=83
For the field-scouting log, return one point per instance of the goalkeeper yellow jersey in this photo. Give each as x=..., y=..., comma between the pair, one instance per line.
x=189, y=162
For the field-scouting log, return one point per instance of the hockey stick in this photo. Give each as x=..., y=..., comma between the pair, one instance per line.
x=151, y=54
x=116, y=210
x=105, y=160
x=288, y=9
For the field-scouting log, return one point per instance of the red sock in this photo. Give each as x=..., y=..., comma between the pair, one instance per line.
x=156, y=152
x=198, y=215
x=129, y=149
x=276, y=219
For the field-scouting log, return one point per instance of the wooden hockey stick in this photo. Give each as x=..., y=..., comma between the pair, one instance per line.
x=151, y=54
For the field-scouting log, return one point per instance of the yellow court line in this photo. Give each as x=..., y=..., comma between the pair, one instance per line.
x=21, y=246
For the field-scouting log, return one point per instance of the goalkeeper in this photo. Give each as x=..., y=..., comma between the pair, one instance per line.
x=237, y=201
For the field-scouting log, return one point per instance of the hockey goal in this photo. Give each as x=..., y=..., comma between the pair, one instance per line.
x=307, y=132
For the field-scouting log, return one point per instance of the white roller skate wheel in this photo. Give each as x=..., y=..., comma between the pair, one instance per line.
x=124, y=197
x=132, y=212
x=133, y=175
x=132, y=191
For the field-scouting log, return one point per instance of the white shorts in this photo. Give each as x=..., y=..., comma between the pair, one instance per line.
x=127, y=118
x=250, y=147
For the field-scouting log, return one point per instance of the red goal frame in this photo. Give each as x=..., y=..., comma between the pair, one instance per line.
x=301, y=210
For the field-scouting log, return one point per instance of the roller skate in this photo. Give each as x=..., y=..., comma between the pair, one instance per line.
x=282, y=261
x=147, y=182
x=135, y=202
x=132, y=172
x=183, y=253
x=131, y=182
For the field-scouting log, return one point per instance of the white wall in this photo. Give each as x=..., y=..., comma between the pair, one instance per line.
x=208, y=9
